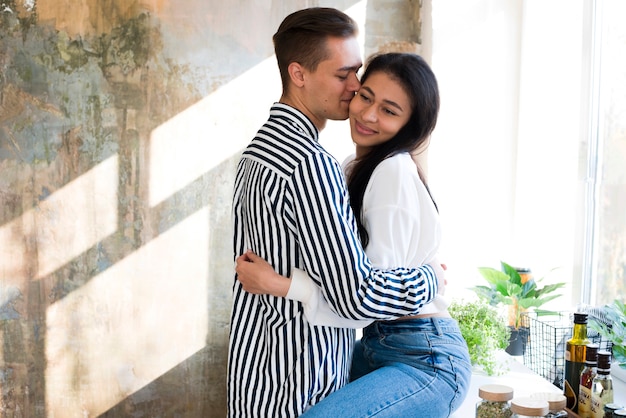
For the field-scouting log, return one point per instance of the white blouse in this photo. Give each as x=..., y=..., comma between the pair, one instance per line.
x=404, y=231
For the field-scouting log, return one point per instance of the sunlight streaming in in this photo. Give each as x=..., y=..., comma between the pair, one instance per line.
x=201, y=137
x=130, y=324
x=65, y=230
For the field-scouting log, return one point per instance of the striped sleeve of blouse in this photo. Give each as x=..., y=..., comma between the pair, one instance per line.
x=333, y=256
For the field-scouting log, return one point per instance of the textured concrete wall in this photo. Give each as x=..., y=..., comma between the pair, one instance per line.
x=393, y=26
x=121, y=122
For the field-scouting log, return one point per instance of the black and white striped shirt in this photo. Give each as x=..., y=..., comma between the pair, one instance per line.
x=291, y=207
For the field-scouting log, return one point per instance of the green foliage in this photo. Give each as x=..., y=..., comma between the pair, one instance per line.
x=483, y=330
x=616, y=331
x=507, y=287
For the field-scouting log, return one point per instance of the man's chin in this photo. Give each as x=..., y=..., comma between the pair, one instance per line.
x=339, y=116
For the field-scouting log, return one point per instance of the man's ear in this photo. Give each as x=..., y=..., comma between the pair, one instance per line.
x=296, y=73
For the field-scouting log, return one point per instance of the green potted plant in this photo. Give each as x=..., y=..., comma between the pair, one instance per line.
x=519, y=291
x=614, y=330
x=484, y=332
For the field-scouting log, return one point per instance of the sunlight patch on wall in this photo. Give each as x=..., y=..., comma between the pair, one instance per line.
x=196, y=140
x=14, y=252
x=76, y=217
x=130, y=324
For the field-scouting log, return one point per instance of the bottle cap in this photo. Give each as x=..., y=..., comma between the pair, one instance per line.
x=580, y=318
x=530, y=407
x=604, y=360
x=556, y=401
x=495, y=393
x=591, y=355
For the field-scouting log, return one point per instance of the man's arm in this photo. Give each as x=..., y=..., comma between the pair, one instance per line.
x=334, y=258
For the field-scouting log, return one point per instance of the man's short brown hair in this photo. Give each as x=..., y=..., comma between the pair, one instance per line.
x=302, y=36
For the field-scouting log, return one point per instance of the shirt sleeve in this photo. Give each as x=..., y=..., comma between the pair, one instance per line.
x=324, y=223
x=316, y=309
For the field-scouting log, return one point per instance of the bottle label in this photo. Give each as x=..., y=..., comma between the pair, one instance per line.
x=597, y=407
x=584, y=402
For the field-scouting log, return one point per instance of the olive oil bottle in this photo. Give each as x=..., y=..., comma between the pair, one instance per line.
x=575, y=356
x=586, y=379
x=602, y=386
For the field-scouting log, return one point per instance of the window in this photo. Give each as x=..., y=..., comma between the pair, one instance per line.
x=605, y=246
x=528, y=161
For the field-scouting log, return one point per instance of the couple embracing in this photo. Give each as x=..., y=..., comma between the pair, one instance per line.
x=323, y=249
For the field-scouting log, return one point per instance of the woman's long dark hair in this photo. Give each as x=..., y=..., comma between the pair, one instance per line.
x=420, y=84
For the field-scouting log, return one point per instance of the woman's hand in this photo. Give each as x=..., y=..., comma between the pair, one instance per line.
x=258, y=277
x=440, y=269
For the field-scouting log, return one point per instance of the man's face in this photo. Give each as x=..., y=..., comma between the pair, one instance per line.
x=331, y=87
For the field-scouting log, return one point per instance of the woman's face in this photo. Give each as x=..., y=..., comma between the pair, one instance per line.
x=379, y=110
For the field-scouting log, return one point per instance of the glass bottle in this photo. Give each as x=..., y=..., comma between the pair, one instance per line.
x=586, y=379
x=602, y=386
x=529, y=407
x=556, y=403
x=575, y=354
x=495, y=401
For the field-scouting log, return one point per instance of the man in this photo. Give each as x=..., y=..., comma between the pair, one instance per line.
x=291, y=207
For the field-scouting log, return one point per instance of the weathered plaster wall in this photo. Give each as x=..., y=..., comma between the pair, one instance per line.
x=121, y=122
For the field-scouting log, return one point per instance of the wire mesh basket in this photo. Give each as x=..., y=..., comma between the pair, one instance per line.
x=548, y=335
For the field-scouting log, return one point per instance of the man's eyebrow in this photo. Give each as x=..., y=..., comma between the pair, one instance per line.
x=354, y=68
x=387, y=101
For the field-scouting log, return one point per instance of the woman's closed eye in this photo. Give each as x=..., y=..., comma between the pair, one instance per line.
x=390, y=111
x=365, y=97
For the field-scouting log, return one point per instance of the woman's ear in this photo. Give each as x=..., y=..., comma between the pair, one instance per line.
x=296, y=73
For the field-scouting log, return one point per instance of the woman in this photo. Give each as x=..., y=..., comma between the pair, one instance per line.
x=416, y=365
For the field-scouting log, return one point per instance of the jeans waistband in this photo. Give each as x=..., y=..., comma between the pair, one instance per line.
x=435, y=325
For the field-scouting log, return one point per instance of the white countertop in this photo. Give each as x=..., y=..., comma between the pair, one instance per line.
x=524, y=382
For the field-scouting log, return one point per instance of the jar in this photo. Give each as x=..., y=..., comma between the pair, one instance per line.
x=525, y=274
x=556, y=403
x=529, y=408
x=494, y=401
x=610, y=408
x=620, y=413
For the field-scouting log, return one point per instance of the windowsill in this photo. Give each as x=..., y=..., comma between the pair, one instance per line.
x=619, y=384
x=524, y=382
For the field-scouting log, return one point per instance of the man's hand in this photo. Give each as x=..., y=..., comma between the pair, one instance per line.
x=258, y=276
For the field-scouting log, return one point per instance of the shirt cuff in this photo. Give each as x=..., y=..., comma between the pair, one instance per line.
x=301, y=287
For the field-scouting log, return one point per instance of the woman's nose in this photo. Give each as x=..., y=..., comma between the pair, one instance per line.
x=369, y=113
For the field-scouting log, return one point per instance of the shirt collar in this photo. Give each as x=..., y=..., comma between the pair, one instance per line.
x=295, y=118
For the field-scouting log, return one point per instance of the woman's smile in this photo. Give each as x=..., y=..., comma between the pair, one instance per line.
x=363, y=129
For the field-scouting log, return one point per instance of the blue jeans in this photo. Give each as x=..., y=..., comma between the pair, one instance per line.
x=406, y=368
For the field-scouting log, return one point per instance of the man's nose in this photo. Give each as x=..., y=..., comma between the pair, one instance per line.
x=354, y=84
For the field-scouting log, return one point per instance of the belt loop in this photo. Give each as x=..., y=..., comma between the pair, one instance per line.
x=437, y=325
x=376, y=328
